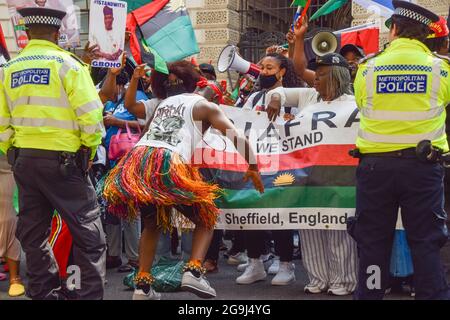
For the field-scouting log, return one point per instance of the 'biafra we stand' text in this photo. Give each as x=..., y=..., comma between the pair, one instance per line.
x=270, y=140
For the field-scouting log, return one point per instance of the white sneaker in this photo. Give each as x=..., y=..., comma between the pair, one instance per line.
x=309, y=288
x=198, y=286
x=242, y=267
x=340, y=291
x=275, y=266
x=254, y=272
x=238, y=258
x=285, y=274
x=140, y=294
x=268, y=262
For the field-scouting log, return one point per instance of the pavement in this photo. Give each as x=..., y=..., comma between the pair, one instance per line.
x=224, y=283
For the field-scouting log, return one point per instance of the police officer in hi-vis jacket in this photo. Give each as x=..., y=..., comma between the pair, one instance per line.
x=402, y=93
x=50, y=125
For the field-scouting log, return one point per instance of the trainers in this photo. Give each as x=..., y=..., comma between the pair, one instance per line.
x=238, y=258
x=254, y=272
x=275, y=266
x=285, y=274
x=146, y=294
x=340, y=291
x=197, y=285
x=312, y=289
x=223, y=247
x=267, y=260
x=242, y=267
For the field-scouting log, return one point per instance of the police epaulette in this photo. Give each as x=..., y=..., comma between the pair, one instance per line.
x=370, y=56
x=78, y=59
x=445, y=58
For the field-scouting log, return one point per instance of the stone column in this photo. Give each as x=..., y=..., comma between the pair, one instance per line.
x=216, y=24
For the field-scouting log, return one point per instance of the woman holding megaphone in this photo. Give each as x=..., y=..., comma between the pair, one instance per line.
x=277, y=72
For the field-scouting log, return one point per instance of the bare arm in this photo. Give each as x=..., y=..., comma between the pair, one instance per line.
x=300, y=63
x=212, y=114
x=108, y=90
x=134, y=107
x=290, y=37
x=111, y=121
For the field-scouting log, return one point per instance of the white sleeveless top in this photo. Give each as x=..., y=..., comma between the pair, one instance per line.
x=173, y=126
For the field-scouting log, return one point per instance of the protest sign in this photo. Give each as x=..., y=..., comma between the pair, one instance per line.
x=107, y=20
x=69, y=31
x=308, y=175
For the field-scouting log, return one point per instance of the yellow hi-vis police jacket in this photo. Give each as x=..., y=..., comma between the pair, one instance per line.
x=48, y=101
x=402, y=94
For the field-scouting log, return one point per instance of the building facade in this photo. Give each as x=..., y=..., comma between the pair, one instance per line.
x=255, y=24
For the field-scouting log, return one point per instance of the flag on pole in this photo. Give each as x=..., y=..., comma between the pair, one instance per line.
x=383, y=8
x=140, y=50
x=296, y=16
x=152, y=58
x=365, y=38
x=327, y=8
x=166, y=28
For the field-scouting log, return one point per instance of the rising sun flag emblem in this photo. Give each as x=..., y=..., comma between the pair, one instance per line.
x=284, y=180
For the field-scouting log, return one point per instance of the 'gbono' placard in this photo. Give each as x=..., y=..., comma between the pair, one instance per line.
x=107, y=31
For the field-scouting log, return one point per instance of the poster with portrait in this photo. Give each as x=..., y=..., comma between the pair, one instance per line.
x=107, y=20
x=69, y=34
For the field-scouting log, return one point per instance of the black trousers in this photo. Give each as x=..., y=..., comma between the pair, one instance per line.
x=257, y=243
x=42, y=189
x=382, y=186
x=214, y=247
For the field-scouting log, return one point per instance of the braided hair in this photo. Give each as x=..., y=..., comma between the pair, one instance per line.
x=290, y=79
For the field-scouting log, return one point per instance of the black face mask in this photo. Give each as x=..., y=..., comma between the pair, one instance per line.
x=173, y=90
x=267, y=82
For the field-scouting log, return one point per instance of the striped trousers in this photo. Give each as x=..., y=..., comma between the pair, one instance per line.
x=330, y=258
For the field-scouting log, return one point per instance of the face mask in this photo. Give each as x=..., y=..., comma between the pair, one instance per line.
x=267, y=82
x=175, y=89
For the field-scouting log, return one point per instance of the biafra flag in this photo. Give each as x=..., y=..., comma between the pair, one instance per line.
x=165, y=27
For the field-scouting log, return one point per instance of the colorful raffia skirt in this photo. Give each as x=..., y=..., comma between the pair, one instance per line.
x=157, y=176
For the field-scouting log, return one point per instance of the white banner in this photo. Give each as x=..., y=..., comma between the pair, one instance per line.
x=308, y=175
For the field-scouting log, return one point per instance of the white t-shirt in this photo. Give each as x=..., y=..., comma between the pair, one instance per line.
x=306, y=97
x=150, y=107
x=173, y=126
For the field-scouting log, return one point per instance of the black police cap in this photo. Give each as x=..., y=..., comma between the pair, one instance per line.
x=42, y=16
x=412, y=11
